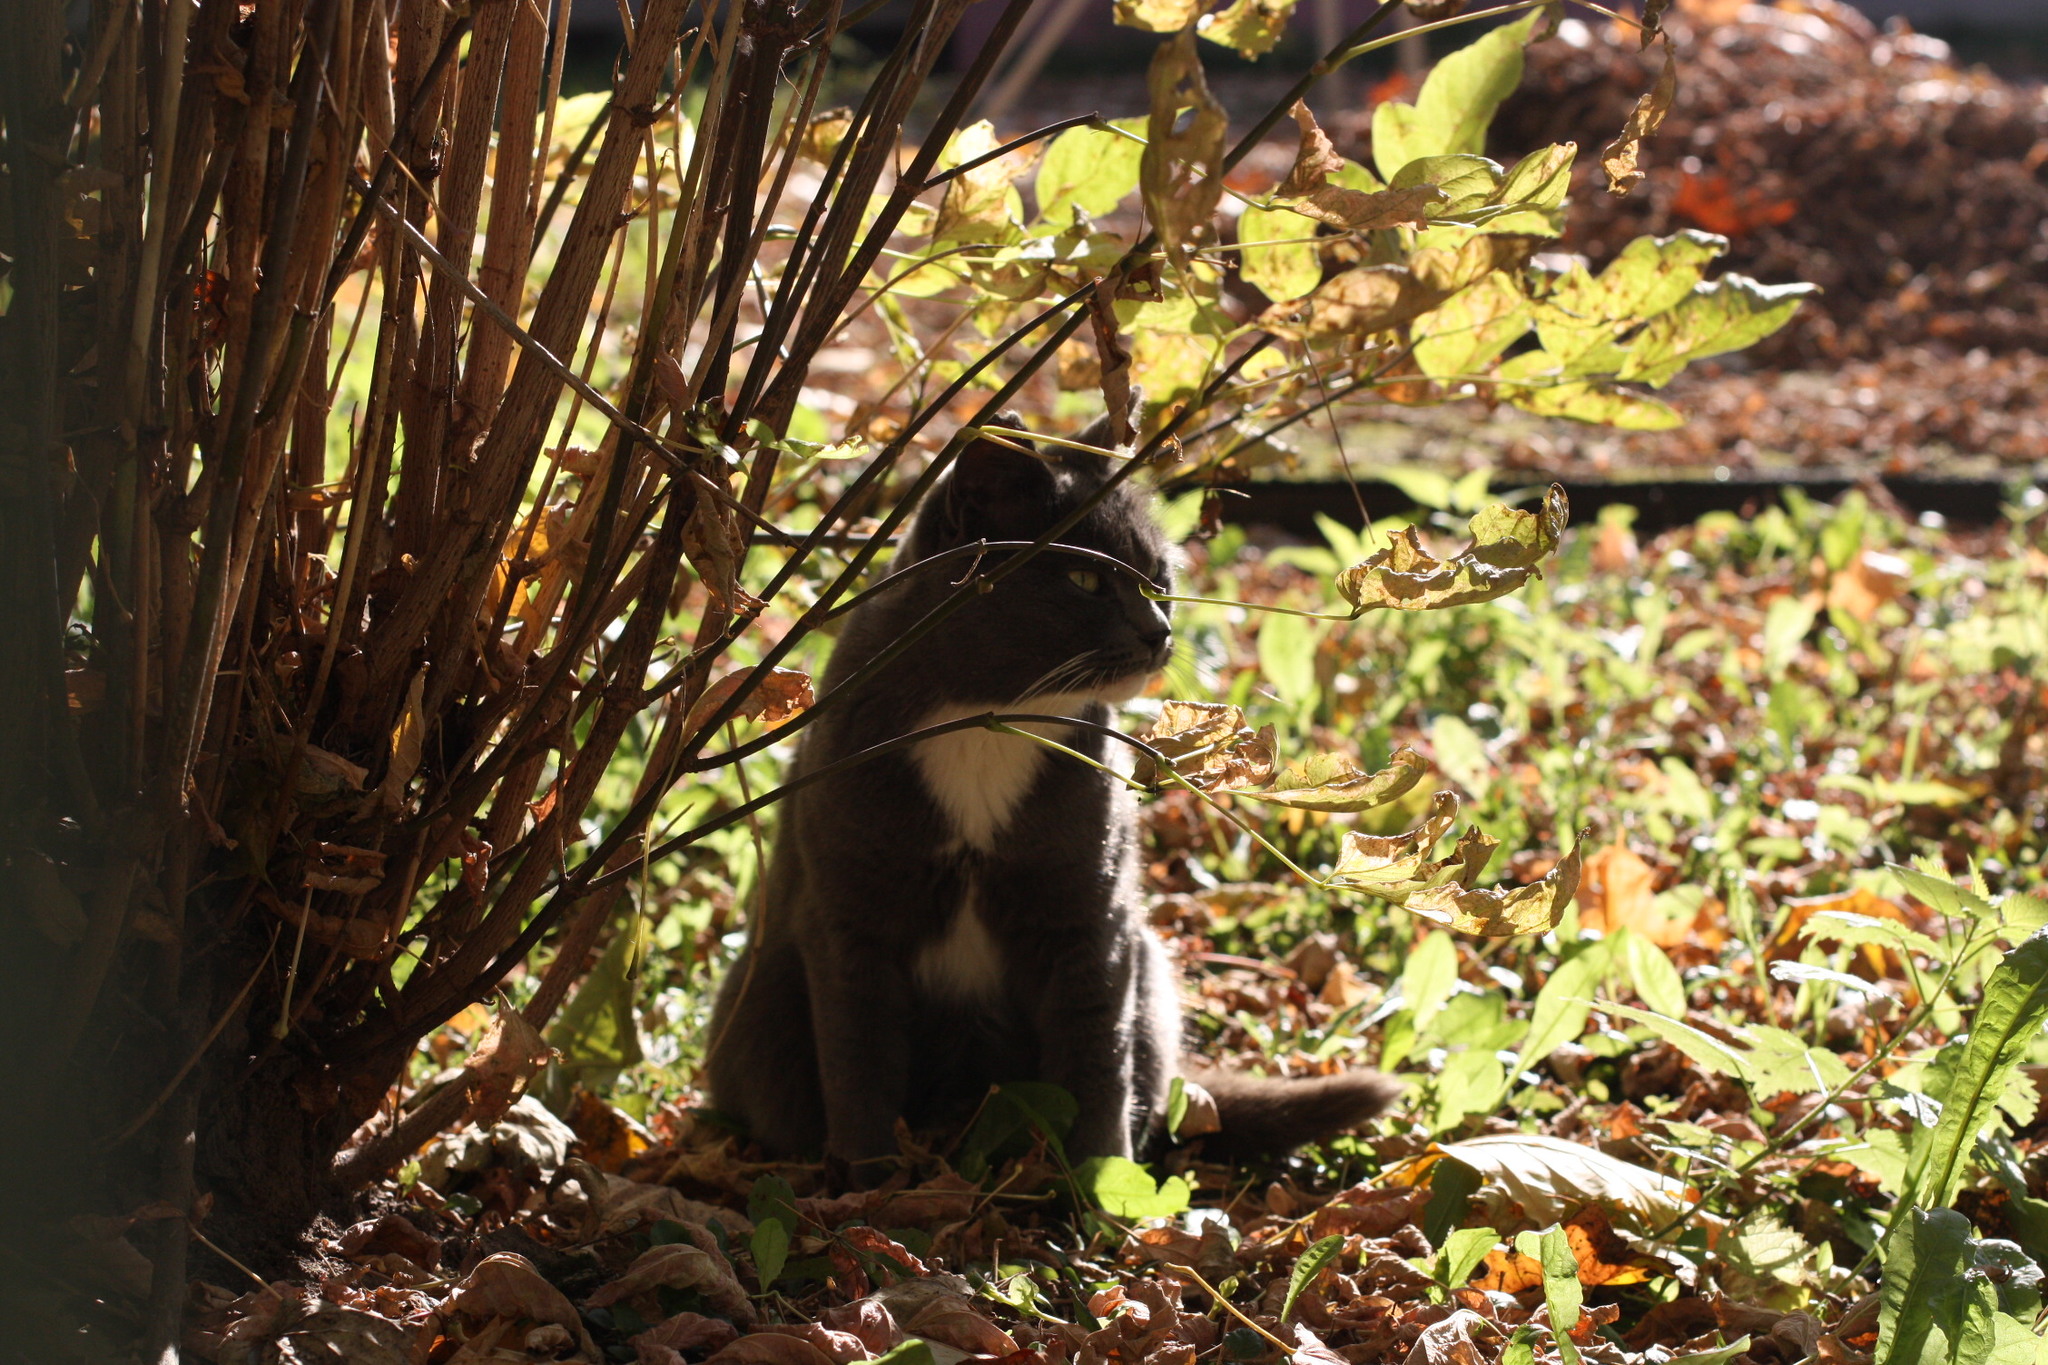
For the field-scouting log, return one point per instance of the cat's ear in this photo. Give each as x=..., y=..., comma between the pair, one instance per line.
x=998, y=492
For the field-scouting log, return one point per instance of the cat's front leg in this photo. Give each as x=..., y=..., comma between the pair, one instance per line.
x=1084, y=1024
x=860, y=1016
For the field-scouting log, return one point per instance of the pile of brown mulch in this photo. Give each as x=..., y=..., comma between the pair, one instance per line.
x=1915, y=194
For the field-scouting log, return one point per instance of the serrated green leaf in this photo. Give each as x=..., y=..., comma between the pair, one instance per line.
x=1456, y=103
x=1923, y=1281
x=1853, y=931
x=1723, y=315
x=1942, y=895
x=2014, y=1007
x=1089, y=169
x=1306, y=1267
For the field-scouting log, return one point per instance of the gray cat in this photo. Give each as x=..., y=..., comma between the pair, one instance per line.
x=966, y=911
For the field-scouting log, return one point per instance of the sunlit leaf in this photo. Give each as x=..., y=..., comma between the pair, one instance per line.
x=1123, y=1189
x=2006, y=1024
x=1618, y=158
x=1536, y=382
x=1543, y=1179
x=1500, y=911
x=1250, y=27
x=1279, y=257
x=1463, y=180
x=1209, y=744
x=1394, y=866
x=1508, y=546
x=1160, y=16
x=1562, y=1292
x=1315, y=186
x=1335, y=782
x=1307, y=1266
x=1088, y=168
x=1727, y=314
x=1468, y=332
x=1456, y=103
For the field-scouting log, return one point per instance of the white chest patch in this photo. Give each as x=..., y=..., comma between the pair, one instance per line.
x=978, y=777
x=965, y=964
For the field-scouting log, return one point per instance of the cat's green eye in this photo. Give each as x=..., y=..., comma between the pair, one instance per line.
x=1087, y=580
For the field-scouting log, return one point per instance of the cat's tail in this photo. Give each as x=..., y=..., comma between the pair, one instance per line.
x=1259, y=1114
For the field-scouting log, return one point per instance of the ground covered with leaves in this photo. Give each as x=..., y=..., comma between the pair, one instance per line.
x=1805, y=750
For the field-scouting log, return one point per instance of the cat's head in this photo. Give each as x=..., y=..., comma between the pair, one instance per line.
x=1063, y=625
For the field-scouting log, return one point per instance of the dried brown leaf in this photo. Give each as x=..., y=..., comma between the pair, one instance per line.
x=1209, y=744
x=1618, y=158
x=1181, y=173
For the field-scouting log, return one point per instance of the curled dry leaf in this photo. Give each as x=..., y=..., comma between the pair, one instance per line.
x=1449, y=1341
x=1308, y=191
x=505, y=1285
x=955, y=1323
x=824, y=133
x=1335, y=782
x=1251, y=27
x=1113, y=358
x=343, y=867
x=681, y=1265
x=1396, y=867
x=1181, y=173
x=511, y=1054
x=1618, y=158
x=1499, y=912
x=1209, y=744
x=771, y=1348
x=780, y=695
x=1507, y=547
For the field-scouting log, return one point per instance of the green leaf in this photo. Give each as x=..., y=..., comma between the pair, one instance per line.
x=1656, y=980
x=771, y=1200
x=1333, y=782
x=1561, y=1288
x=1923, y=1294
x=771, y=1251
x=1452, y=1184
x=1122, y=1188
x=1720, y=1355
x=1456, y=103
x=1852, y=930
x=1467, y=332
x=1703, y=1049
x=910, y=1352
x=1462, y=1252
x=1089, y=169
x=1306, y=1267
x=1287, y=656
x=1279, y=258
x=1429, y=976
x=1538, y=382
x=2014, y=1007
x=1176, y=1105
x=1942, y=895
x=1564, y=1003
x=1724, y=315
x=1467, y=181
